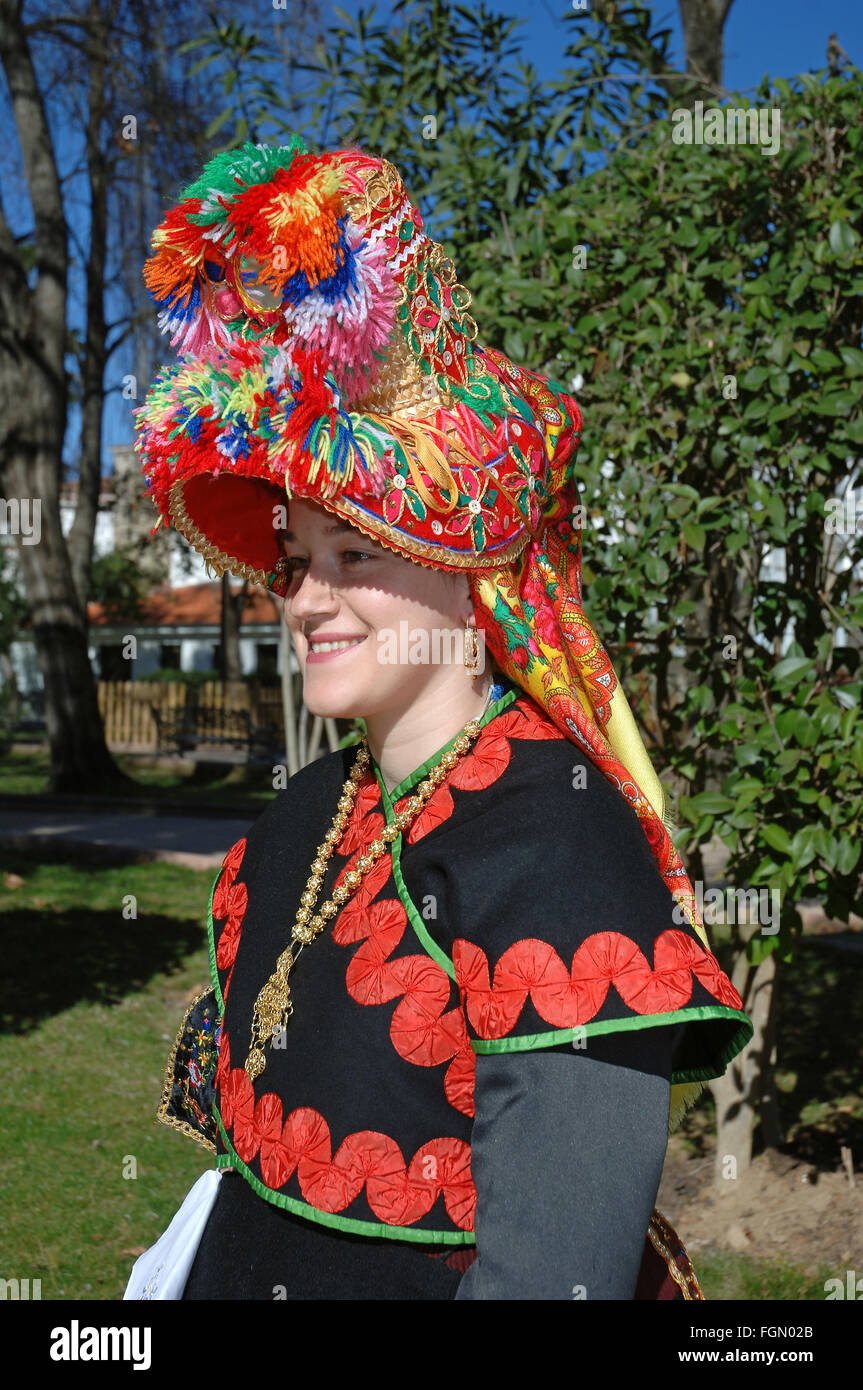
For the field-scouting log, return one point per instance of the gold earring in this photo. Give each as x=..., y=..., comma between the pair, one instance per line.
x=471, y=648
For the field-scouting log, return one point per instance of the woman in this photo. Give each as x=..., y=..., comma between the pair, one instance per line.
x=460, y=992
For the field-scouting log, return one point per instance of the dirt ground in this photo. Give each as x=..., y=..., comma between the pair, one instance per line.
x=782, y=1206
x=798, y=1204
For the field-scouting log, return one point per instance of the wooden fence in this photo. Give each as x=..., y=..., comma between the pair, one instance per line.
x=127, y=707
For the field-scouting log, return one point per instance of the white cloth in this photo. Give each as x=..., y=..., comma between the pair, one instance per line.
x=162, y=1271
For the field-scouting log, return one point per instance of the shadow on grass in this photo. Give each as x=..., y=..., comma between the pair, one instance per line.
x=52, y=961
x=204, y=781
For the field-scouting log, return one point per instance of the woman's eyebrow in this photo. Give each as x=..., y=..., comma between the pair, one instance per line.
x=330, y=530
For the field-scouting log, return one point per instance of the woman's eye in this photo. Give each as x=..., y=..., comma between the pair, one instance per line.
x=293, y=562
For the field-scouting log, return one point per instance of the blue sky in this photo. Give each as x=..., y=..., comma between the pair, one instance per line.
x=782, y=37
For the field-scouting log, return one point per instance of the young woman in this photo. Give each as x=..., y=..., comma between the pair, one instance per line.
x=459, y=989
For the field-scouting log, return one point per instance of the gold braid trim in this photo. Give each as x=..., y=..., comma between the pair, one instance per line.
x=659, y=1232
x=428, y=456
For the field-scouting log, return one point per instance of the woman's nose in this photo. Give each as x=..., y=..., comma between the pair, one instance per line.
x=313, y=594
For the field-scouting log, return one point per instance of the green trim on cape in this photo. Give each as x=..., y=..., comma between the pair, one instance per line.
x=529, y=1042
x=211, y=942
x=429, y=945
x=327, y=1218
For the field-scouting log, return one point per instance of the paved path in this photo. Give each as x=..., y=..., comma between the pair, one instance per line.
x=197, y=842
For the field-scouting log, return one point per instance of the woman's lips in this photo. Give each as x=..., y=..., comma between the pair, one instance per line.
x=314, y=656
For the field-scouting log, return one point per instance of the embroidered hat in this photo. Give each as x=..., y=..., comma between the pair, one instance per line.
x=327, y=352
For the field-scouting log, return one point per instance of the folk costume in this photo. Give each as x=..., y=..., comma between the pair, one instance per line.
x=435, y=1012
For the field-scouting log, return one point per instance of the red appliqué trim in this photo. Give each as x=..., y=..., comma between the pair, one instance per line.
x=398, y=1193
x=568, y=998
x=482, y=767
x=230, y=899
x=420, y=1031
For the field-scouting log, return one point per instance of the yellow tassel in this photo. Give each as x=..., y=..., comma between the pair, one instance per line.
x=430, y=456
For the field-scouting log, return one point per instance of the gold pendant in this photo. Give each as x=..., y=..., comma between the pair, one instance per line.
x=273, y=1010
x=255, y=1063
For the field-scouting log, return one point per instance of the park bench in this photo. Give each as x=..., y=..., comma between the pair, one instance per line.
x=183, y=730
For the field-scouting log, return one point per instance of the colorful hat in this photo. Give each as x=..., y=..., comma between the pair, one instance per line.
x=327, y=352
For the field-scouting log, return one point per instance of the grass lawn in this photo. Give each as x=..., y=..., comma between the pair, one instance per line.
x=724, y=1275
x=91, y=1001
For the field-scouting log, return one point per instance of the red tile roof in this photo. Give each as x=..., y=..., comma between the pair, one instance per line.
x=193, y=605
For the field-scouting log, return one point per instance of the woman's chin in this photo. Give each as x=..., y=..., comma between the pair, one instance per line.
x=333, y=699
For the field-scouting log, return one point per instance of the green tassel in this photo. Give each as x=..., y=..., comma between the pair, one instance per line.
x=251, y=164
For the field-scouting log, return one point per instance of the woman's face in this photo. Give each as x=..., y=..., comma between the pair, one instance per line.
x=399, y=625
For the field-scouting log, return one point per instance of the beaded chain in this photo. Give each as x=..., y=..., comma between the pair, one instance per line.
x=273, y=1006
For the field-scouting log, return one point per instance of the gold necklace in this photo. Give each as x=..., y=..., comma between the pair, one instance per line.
x=274, y=1006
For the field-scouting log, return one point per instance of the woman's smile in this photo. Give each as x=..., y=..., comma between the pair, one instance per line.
x=326, y=648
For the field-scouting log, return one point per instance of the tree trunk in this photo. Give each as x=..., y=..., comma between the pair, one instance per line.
x=80, y=760
x=703, y=22
x=772, y=1132
x=737, y=1092
x=33, y=421
x=232, y=616
x=10, y=684
x=81, y=536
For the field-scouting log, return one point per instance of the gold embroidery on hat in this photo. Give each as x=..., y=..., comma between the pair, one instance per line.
x=384, y=189
x=383, y=186
x=400, y=384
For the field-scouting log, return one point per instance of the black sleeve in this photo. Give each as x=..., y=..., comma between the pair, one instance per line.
x=566, y=1155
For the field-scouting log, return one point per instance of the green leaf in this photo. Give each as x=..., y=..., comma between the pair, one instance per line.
x=694, y=535
x=853, y=359
x=780, y=349
x=792, y=667
x=656, y=569
x=803, y=848
x=820, y=357
x=777, y=838
x=711, y=803
x=848, y=855
x=754, y=377
x=760, y=946
x=849, y=695
x=217, y=124
x=842, y=237
x=805, y=729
